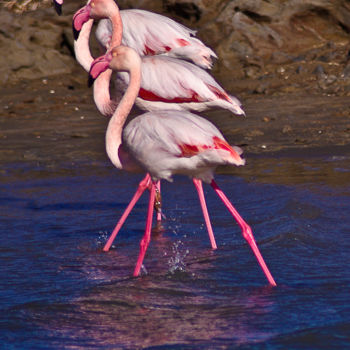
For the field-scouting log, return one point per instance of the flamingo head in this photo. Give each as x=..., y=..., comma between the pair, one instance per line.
x=120, y=58
x=58, y=6
x=95, y=9
x=98, y=66
x=79, y=18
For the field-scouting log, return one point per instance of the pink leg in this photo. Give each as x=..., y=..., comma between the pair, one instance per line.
x=246, y=231
x=147, y=236
x=141, y=188
x=199, y=187
x=158, y=205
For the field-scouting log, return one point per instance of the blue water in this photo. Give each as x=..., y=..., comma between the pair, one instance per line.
x=60, y=291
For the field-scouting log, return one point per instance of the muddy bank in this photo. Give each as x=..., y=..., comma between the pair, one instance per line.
x=53, y=121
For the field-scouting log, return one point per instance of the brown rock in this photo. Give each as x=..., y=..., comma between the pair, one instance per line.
x=251, y=37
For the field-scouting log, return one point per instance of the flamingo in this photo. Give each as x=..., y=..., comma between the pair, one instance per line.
x=169, y=83
x=186, y=87
x=164, y=143
x=166, y=82
x=147, y=32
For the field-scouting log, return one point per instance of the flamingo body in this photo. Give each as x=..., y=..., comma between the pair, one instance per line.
x=149, y=33
x=169, y=142
x=146, y=32
x=169, y=83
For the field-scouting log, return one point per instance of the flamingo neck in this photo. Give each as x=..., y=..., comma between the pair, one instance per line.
x=108, y=9
x=116, y=123
x=101, y=93
x=102, y=98
x=81, y=46
x=117, y=29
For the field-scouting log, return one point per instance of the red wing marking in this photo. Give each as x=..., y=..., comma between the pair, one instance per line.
x=150, y=96
x=148, y=51
x=192, y=150
x=222, y=144
x=220, y=94
x=189, y=150
x=182, y=42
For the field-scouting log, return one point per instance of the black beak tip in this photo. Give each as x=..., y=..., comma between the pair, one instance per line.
x=58, y=7
x=90, y=81
x=75, y=33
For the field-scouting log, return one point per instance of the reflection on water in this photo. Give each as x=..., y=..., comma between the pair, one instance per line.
x=59, y=290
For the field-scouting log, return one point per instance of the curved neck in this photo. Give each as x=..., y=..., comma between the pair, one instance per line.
x=101, y=93
x=81, y=46
x=102, y=98
x=116, y=123
x=101, y=9
x=117, y=29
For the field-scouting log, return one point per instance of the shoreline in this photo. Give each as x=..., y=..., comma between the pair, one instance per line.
x=54, y=109
x=50, y=123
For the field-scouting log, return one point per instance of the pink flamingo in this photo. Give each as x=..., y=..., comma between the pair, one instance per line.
x=166, y=82
x=165, y=143
x=101, y=94
x=147, y=32
x=186, y=87
x=169, y=83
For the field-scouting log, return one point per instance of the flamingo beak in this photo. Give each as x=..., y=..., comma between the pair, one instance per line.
x=98, y=66
x=58, y=6
x=79, y=18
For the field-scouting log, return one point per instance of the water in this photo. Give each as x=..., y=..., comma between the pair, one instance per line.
x=60, y=291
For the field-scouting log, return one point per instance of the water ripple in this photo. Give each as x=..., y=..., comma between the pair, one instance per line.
x=59, y=290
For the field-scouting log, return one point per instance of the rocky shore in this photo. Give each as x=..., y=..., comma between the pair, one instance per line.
x=264, y=47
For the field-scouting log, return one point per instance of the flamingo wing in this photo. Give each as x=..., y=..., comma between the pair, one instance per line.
x=150, y=33
x=170, y=142
x=173, y=81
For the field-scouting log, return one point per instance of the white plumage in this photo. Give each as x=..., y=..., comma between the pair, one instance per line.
x=150, y=33
x=168, y=142
x=169, y=83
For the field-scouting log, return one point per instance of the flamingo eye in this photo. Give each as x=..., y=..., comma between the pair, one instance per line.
x=92, y=4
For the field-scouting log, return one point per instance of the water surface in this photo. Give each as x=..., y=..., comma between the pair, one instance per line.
x=60, y=291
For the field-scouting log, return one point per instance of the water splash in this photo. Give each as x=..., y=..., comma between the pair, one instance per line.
x=102, y=238
x=177, y=261
x=143, y=271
